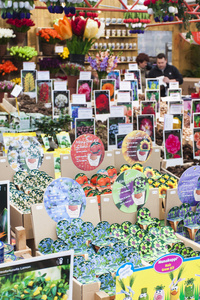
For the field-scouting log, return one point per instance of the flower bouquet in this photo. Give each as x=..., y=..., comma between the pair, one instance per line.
x=163, y=10
x=71, y=69
x=22, y=53
x=20, y=25
x=80, y=34
x=136, y=21
x=5, y=35
x=48, y=38
x=6, y=86
x=50, y=64
x=103, y=63
x=7, y=67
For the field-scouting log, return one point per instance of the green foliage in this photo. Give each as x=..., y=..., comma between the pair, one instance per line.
x=122, y=284
x=193, y=58
x=132, y=279
x=189, y=281
x=50, y=127
x=159, y=287
x=180, y=273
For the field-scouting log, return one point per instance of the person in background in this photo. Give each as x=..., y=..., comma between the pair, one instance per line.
x=170, y=73
x=142, y=61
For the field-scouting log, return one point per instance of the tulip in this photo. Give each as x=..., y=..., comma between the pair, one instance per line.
x=64, y=28
x=100, y=31
x=91, y=29
x=78, y=26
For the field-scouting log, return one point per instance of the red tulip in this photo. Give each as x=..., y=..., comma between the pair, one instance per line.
x=78, y=26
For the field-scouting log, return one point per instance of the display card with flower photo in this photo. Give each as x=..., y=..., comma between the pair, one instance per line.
x=85, y=87
x=28, y=78
x=196, y=143
x=153, y=95
x=84, y=126
x=74, y=112
x=174, y=94
x=60, y=102
x=195, y=108
x=128, y=110
x=173, y=121
x=119, y=140
x=173, y=147
x=175, y=107
x=115, y=74
x=148, y=108
x=44, y=88
x=5, y=211
x=146, y=123
x=124, y=95
x=134, y=88
x=152, y=84
x=102, y=104
x=196, y=118
x=112, y=126
x=109, y=84
x=137, y=76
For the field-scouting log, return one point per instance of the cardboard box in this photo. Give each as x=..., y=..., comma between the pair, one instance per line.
x=19, y=121
x=84, y=291
x=154, y=160
x=17, y=218
x=188, y=85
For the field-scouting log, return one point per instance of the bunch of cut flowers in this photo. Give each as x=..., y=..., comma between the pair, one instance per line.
x=71, y=68
x=22, y=25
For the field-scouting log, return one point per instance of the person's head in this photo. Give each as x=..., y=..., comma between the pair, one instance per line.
x=161, y=61
x=142, y=59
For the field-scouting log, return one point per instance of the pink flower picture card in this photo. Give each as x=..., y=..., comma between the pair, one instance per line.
x=173, y=147
x=85, y=87
x=196, y=143
x=146, y=123
x=195, y=108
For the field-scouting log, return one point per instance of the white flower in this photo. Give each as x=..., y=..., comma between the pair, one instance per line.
x=6, y=33
x=176, y=10
x=15, y=5
x=26, y=5
x=32, y=7
x=171, y=9
x=101, y=31
x=9, y=3
x=79, y=1
x=1, y=4
x=150, y=11
x=21, y=4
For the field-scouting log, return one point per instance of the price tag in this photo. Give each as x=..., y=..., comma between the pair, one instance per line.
x=29, y=66
x=129, y=76
x=133, y=66
x=125, y=85
x=43, y=75
x=85, y=113
x=59, y=49
x=78, y=98
x=16, y=91
x=60, y=85
x=117, y=111
x=174, y=85
x=85, y=75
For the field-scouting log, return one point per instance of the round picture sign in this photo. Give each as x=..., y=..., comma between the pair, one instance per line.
x=130, y=191
x=64, y=198
x=25, y=154
x=137, y=147
x=87, y=152
x=189, y=186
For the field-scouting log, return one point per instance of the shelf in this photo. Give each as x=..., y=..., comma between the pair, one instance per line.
x=120, y=62
x=114, y=49
x=119, y=37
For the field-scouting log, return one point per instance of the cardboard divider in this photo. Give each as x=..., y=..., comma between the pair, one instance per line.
x=6, y=171
x=84, y=291
x=44, y=226
x=68, y=169
x=171, y=200
x=48, y=164
x=153, y=161
x=153, y=203
x=111, y=214
x=189, y=243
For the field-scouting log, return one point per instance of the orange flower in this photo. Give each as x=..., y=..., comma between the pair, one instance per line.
x=49, y=35
x=64, y=28
x=7, y=67
x=110, y=87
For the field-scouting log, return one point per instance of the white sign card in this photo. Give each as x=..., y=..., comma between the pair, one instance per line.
x=29, y=65
x=174, y=85
x=168, y=122
x=85, y=75
x=85, y=113
x=16, y=91
x=43, y=75
x=78, y=98
x=124, y=95
x=125, y=85
x=175, y=107
x=60, y=85
x=133, y=66
x=59, y=49
x=129, y=76
x=125, y=128
x=117, y=111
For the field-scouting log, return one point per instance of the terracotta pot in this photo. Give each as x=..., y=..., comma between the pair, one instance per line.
x=20, y=37
x=3, y=49
x=47, y=49
x=71, y=84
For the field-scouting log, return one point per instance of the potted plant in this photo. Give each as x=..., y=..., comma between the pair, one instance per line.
x=50, y=127
x=48, y=38
x=20, y=28
x=21, y=54
x=72, y=71
x=5, y=35
x=6, y=67
x=50, y=64
x=5, y=87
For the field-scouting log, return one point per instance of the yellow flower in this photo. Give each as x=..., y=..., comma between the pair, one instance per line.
x=91, y=29
x=64, y=297
x=55, y=298
x=44, y=297
x=59, y=294
x=16, y=80
x=64, y=54
x=177, y=124
x=48, y=278
x=145, y=145
x=22, y=296
x=26, y=292
x=15, y=286
x=30, y=283
x=52, y=285
x=124, y=168
x=37, y=292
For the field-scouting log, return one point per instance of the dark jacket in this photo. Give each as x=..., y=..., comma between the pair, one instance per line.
x=170, y=71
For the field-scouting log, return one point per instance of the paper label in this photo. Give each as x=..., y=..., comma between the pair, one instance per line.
x=59, y=49
x=85, y=113
x=106, y=199
x=78, y=98
x=48, y=157
x=129, y=76
x=85, y=75
x=65, y=157
x=125, y=128
x=43, y=75
x=133, y=66
x=60, y=85
x=123, y=97
x=174, y=85
x=16, y=91
x=29, y=66
x=125, y=85
x=117, y=111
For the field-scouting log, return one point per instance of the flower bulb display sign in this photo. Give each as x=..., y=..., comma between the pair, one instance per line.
x=137, y=147
x=87, y=152
x=130, y=191
x=189, y=186
x=64, y=198
x=25, y=154
x=173, y=147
